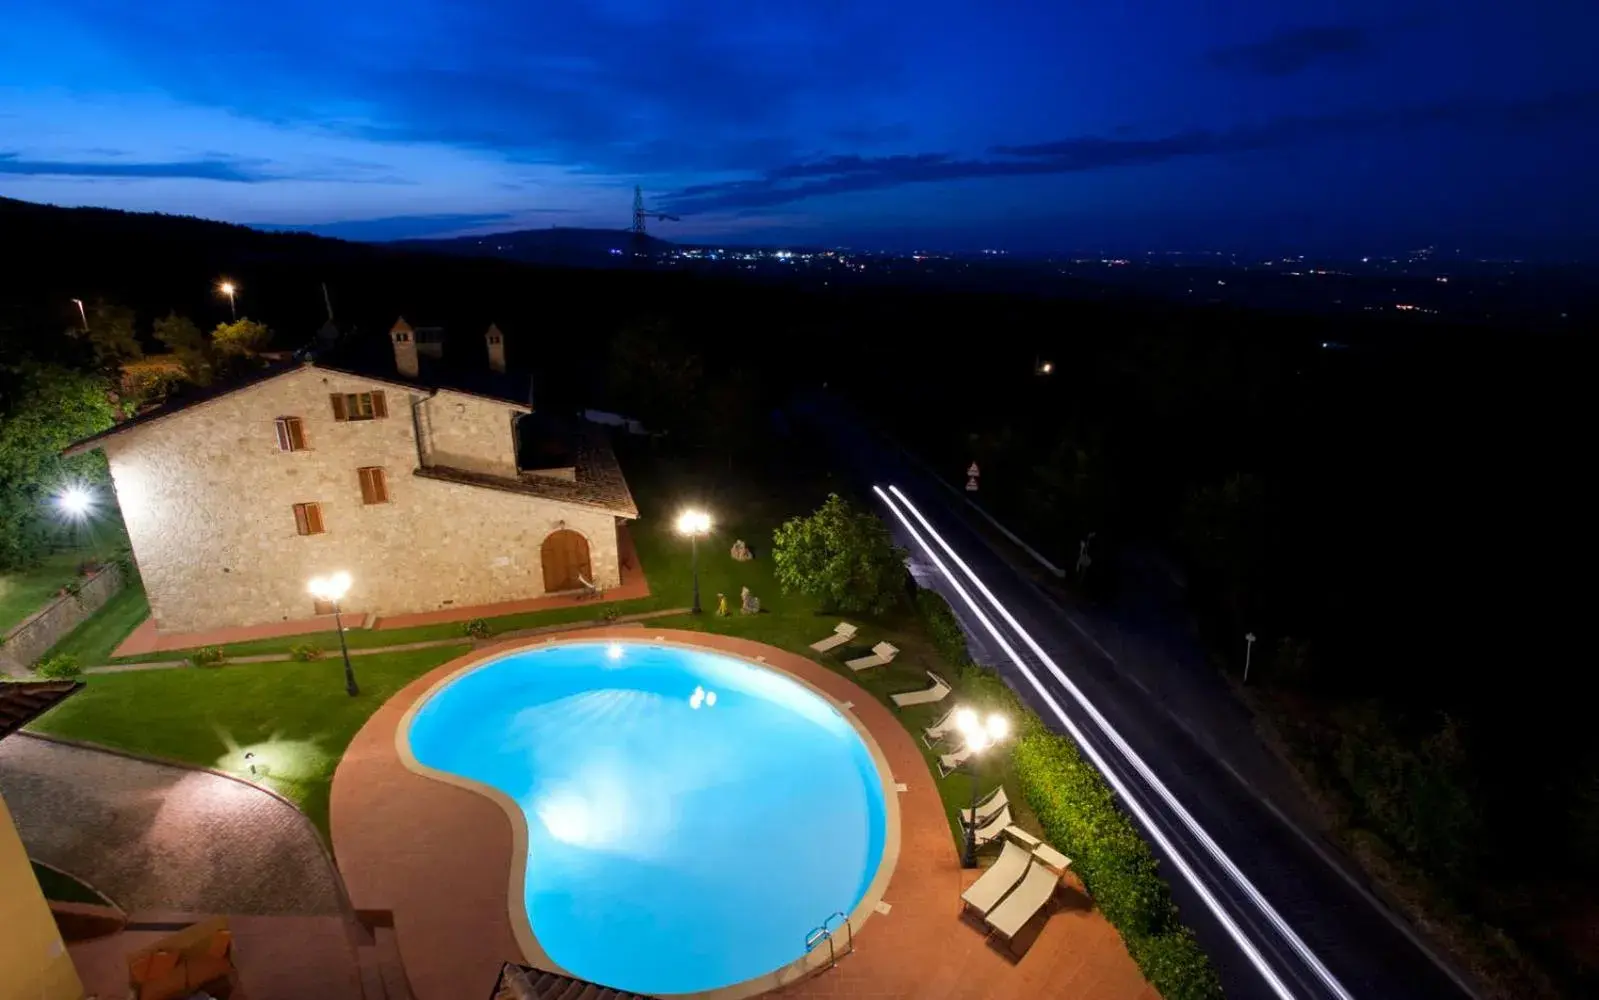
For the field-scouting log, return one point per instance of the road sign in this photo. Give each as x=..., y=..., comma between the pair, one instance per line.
x=971, y=484
x=973, y=472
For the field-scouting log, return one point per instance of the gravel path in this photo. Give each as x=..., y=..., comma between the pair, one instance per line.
x=155, y=837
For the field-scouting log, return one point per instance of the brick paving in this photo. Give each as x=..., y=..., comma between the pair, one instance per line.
x=159, y=837
x=439, y=856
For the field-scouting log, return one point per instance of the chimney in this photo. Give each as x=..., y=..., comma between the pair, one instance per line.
x=496, y=342
x=404, y=338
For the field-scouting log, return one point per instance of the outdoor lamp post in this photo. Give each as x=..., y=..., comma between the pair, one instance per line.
x=980, y=735
x=332, y=588
x=75, y=502
x=1249, y=652
x=694, y=523
x=228, y=288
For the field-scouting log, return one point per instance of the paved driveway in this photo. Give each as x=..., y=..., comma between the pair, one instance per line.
x=154, y=837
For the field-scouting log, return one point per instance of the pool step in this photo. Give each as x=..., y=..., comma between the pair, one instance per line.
x=518, y=982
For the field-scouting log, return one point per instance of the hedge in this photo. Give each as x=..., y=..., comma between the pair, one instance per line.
x=1079, y=815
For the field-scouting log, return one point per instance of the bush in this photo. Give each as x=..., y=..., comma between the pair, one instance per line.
x=207, y=656
x=1079, y=815
x=841, y=556
x=477, y=628
x=58, y=667
x=305, y=652
x=944, y=628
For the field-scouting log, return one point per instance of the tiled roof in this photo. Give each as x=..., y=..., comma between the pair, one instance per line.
x=598, y=481
x=23, y=701
x=518, y=982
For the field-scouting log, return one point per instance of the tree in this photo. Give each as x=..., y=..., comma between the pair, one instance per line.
x=654, y=376
x=243, y=338
x=841, y=556
x=45, y=408
x=113, y=334
x=189, y=345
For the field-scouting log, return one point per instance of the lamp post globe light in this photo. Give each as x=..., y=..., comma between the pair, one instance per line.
x=332, y=588
x=228, y=288
x=75, y=502
x=980, y=734
x=694, y=523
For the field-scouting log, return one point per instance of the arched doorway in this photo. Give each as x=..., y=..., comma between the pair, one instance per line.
x=566, y=557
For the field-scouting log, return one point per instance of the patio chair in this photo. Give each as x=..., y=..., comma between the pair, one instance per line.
x=843, y=633
x=927, y=696
x=1037, y=888
x=882, y=653
x=985, y=894
x=181, y=964
x=949, y=763
x=994, y=828
x=991, y=803
x=590, y=588
x=938, y=730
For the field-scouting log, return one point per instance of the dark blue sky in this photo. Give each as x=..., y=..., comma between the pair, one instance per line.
x=1144, y=124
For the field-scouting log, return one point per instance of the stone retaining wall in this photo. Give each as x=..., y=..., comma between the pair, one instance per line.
x=49, y=625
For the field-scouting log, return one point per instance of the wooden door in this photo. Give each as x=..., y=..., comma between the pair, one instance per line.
x=566, y=557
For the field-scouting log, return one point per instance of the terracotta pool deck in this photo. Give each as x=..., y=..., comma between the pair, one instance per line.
x=146, y=638
x=439, y=856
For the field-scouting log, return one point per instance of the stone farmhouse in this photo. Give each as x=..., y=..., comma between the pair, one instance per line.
x=434, y=490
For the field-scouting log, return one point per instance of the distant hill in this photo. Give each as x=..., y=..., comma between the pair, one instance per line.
x=558, y=245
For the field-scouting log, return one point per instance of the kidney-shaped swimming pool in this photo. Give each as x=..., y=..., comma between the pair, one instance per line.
x=690, y=816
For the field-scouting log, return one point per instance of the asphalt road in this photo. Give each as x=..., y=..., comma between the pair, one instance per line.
x=1276, y=916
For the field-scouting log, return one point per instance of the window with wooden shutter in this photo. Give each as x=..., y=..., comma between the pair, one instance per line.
x=374, y=485
x=360, y=406
x=308, y=518
x=291, y=434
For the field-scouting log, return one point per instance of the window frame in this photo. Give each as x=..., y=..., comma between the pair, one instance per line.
x=359, y=406
x=291, y=434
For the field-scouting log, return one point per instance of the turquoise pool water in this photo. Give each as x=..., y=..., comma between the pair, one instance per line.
x=690, y=816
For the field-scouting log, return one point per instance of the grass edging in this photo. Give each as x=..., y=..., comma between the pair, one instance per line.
x=1078, y=814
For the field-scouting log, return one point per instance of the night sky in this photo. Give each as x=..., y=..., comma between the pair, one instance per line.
x=1321, y=126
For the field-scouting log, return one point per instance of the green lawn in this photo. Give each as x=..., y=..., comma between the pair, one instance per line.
x=24, y=591
x=94, y=639
x=295, y=717
x=63, y=888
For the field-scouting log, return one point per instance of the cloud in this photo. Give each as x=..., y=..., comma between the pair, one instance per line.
x=1296, y=50
x=851, y=173
x=218, y=169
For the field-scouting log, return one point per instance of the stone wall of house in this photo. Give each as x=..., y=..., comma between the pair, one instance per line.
x=469, y=432
x=208, y=501
x=33, y=636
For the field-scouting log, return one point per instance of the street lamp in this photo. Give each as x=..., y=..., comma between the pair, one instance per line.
x=980, y=735
x=1249, y=649
x=82, y=314
x=75, y=502
x=332, y=588
x=694, y=523
x=228, y=288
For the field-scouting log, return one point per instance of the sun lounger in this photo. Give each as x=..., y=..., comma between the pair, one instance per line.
x=881, y=653
x=938, y=730
x=1024, y=838
x=841, y=634
x=987, y=891
x=590, y=589
x=1037, y=888
x=949, y=763
x=994, y=828
x=992, y=803
x=938, y=692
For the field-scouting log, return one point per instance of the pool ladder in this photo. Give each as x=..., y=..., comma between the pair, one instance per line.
x=825, y=931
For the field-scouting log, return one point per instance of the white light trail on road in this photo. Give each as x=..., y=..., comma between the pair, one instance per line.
x=1247, y=946
x=1267, y=910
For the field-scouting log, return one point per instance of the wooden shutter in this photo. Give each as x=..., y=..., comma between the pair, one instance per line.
x=380, y=406
x=308, y=518
x=296, y=433
x=374, y=485
x=339, y=413
x=285, y=442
